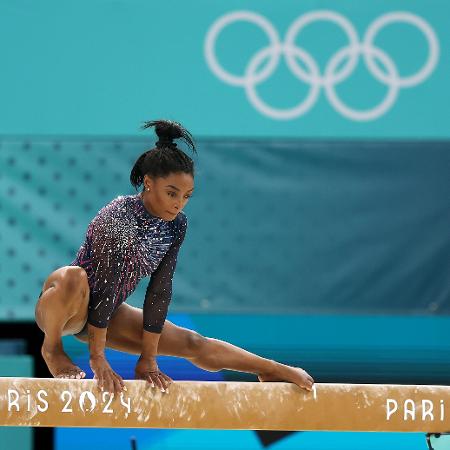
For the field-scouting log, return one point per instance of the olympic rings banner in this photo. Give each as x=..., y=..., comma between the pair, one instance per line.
x=331, y=77
x=247, y=68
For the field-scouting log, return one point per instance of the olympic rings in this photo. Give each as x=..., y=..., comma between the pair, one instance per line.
x=331, y=76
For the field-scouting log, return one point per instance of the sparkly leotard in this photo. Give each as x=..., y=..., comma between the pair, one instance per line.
x=125, y=243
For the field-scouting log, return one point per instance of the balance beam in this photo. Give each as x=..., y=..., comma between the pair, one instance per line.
x=226, y=405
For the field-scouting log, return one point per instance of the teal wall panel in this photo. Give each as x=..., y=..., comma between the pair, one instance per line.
x=300, y=226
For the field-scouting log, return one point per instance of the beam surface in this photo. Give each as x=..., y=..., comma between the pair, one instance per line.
x=226, y=405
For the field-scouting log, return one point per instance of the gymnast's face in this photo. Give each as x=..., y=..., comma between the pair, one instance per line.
x=166, y=197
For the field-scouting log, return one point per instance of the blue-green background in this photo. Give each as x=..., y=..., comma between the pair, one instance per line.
x=102, y=67
x=318, y=241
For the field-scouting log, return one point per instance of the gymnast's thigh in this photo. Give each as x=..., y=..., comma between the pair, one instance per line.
x=125, y=333
x=126, y=325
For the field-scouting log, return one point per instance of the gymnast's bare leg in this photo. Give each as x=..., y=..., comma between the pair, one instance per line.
x=62, y=310
x=125, y=334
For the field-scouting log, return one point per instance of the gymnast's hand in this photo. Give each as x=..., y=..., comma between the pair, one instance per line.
x=107, y=379
x=147, y=369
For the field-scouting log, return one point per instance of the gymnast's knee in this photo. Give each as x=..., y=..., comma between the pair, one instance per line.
x=75, y=281
x=201, y=354
x=195, y=343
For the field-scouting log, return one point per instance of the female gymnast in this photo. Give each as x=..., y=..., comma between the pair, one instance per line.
x=132, y=237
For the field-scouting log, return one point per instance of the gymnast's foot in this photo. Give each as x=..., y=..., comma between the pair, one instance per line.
x=281, y=372
x=60, y=365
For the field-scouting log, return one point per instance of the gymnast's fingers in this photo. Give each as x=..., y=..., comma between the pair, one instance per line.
x=169, y=380
x=121, y=382
x=163, y=382
x=156, y=381
x=99, y=382
x=117, y=385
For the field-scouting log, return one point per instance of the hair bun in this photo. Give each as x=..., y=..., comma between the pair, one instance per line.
x=167, y=131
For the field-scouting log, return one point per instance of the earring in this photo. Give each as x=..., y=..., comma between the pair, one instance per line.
x=148, y=189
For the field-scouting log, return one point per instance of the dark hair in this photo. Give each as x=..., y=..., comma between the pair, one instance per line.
x=165, y=158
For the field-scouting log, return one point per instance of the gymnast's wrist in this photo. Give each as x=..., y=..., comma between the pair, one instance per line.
x=147, y=357
x=97, y=356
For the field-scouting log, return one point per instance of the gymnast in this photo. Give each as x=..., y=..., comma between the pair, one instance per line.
x=132, y=237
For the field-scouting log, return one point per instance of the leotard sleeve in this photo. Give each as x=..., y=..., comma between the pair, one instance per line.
x=106, y=270
x=159, y=289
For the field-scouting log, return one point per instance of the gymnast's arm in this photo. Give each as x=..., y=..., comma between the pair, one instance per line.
x=105, y=262
x=156, y=304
